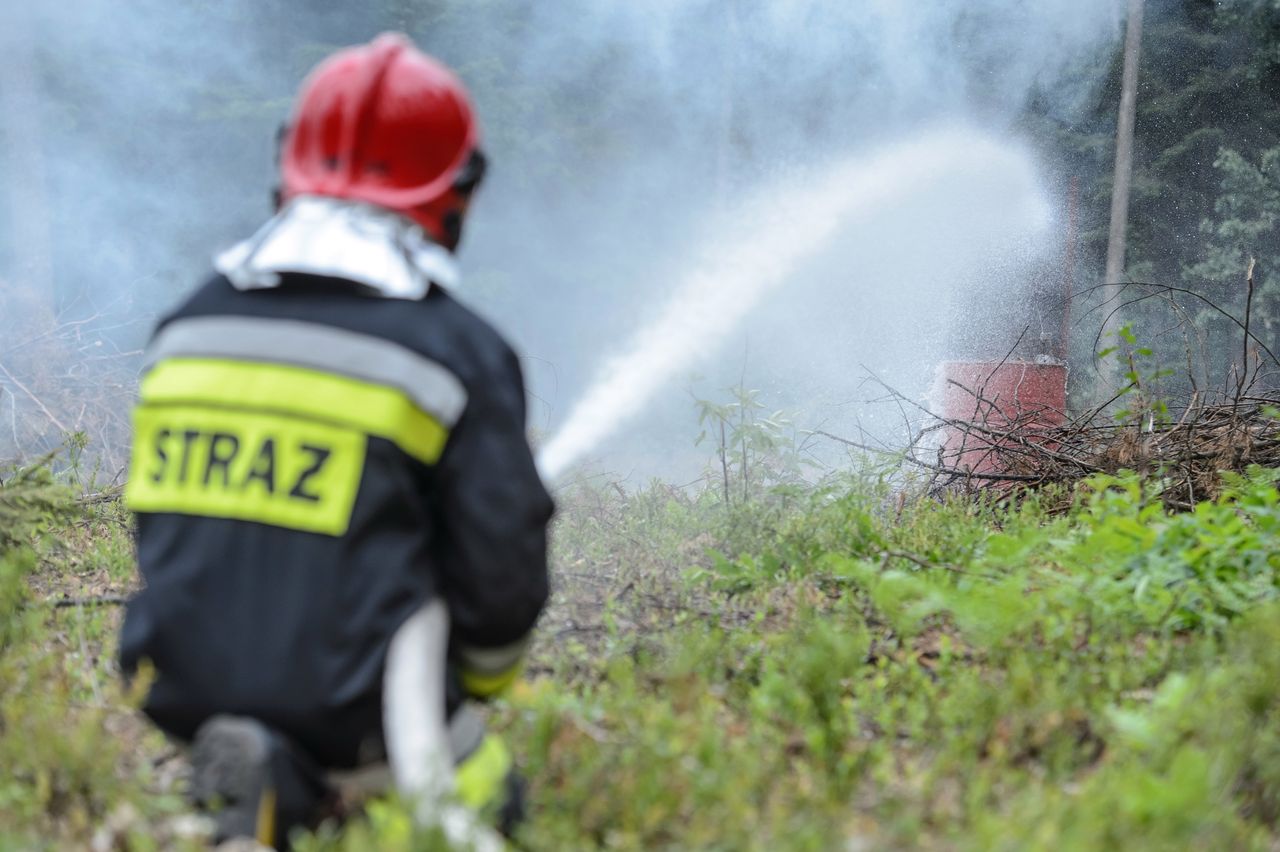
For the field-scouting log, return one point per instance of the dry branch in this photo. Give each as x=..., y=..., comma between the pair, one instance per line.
x=1187, y=455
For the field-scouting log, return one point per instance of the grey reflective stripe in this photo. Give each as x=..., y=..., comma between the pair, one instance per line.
x=492, y=661
x=319, y=347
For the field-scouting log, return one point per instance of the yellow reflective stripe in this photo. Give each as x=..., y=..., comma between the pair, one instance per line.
x=374, y=409
x=265, y=824
x=315, y=346
x=480, y=780
x=485, y=685
x=223, y=463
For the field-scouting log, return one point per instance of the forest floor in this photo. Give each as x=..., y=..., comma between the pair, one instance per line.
x=830, y=666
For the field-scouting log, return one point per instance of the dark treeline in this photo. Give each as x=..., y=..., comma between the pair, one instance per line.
x=1206, y=193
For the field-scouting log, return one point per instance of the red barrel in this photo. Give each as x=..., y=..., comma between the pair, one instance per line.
x=1009, y=405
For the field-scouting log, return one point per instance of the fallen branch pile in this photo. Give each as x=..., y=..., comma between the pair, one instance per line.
x=1186, y=454
x=1010, y=437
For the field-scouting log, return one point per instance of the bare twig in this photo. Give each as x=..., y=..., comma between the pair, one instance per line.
x=20, y=386
x=923, y=562
x=97, y=600
x=1243, y=376
x=1014, y=451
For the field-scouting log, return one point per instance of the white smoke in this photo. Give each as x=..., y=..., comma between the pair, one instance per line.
x=619, y=133
x=774, y=234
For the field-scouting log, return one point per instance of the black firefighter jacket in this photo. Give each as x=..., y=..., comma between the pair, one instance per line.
x=311, y=464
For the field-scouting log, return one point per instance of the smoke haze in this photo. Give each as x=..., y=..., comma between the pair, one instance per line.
x=767, y=240
x=628, y=140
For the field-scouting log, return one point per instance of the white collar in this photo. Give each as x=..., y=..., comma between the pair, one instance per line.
x=343, y=239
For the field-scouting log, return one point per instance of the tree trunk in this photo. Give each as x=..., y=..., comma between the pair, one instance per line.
x=728, y=73
x=1124, y=163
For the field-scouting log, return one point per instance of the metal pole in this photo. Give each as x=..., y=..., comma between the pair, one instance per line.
x=1069, y=269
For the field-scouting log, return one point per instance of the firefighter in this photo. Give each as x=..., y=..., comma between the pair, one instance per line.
x=341, y=528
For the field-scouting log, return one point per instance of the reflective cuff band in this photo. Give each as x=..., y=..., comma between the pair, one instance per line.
x=480, y=780
x=492, y=660
x=481, y=685
x=488, y=671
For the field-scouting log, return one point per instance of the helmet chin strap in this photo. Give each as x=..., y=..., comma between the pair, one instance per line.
x=452, y=224
x=469, y=178
x=277, y=191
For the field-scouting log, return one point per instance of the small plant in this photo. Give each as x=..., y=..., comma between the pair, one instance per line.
x=1146, y=406
x=755, y=450
x=30, y=499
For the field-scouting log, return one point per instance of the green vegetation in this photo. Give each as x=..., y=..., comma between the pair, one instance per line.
x=841, y=665
x=79, y=765
x=763, y=662
x=939, y=675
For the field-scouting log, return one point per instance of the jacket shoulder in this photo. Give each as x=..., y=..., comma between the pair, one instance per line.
x=472, y=337
x=209, y=297
x=438, y=327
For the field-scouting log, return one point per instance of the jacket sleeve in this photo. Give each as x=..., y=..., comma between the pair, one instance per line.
x=494, y=512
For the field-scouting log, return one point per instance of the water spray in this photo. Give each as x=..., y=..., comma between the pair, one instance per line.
x=772, y=233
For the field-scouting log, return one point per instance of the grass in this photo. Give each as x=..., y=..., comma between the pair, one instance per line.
x=81, y=767
x=948, y=676
x=828, y=666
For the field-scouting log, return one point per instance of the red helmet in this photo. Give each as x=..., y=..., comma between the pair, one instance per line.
x=386, y=124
